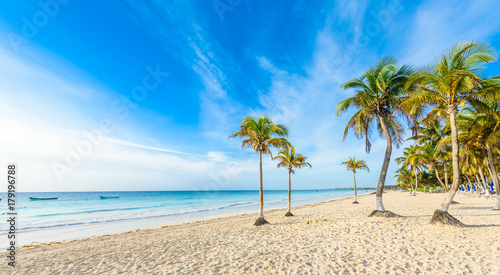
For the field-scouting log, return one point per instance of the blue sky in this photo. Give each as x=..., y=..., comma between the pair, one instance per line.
x=125, y=95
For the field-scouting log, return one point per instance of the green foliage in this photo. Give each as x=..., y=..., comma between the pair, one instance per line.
x=260, y=134
x=289, y=159
x=378, y=93
x=352, y=165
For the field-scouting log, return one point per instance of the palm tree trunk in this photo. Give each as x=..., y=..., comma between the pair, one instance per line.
x=355, y=189
x=445, y=166
x=494, y=177
x=289, y=213
x=486, y=189
x=261, y=187
x=416, y=180
x=411, y=185
x=441, y=216
x=261, y=220
x=477, y=178
x=470, y=183
x=439, y=179
x=455, y=161
x=484, y=183
x=379, y=206
x=488, y=166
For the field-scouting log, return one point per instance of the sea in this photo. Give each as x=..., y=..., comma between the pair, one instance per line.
x=77, y=215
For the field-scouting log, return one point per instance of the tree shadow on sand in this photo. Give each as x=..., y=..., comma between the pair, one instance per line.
x=483, y=225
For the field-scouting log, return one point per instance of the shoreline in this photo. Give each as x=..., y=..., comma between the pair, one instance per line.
x=326, y=237
x=113, y=228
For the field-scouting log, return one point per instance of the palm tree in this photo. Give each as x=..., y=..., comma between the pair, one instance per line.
x=484, y=131
x=290, y=160
x=414, y=158
x=379, y=91
x=352, y=165
x=430, y=134
x=430, y=157
x=451, y=82
x=260, y=134
x=404, y=177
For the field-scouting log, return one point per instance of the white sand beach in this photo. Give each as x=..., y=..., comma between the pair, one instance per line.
x=339, y=238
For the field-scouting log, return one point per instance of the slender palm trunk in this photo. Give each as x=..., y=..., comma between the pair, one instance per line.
x=385, y=166
x=446, y=181
x=355, y=190
x=439, y=179
x=477, y=178
x=441, y=215
x=289, y=213
x=488, y=166
x=411, y=185
x=416, y=181
x=494, y=177
x=261, y=187
x=486, y=189
x=484, y=183
x=455, y=161
x=261, y=220
x=470, y=183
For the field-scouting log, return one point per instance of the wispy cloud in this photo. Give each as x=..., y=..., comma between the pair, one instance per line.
x=436, y=26
x=196, y=49
x=47, y=102
x=131, y=144
x=45, y=119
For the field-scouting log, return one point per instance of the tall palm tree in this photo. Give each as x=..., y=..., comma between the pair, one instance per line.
x=260, y=134
x=290, y=160
x=379, y=91
x=352, y=165
x=451, y=82
x=414, y=158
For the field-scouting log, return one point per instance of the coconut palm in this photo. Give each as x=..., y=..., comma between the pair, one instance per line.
x=260, y=134
x=414, y=158
x=430, y=157
x=352, y=165
x=484, y=131
x=452, y=82
x=290, y=160
x=430, y=134
x=404, y=177
x=379, y=91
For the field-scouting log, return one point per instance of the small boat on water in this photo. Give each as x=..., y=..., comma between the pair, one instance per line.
x=42, y=199
x=108, y=197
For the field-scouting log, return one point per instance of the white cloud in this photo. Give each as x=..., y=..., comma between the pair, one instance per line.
x=44, y=114
x=307, y=106
x=436, y=26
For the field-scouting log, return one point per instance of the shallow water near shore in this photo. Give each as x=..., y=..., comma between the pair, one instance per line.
x=84, y=214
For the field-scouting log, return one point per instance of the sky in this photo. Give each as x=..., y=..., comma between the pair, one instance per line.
x=142, y=95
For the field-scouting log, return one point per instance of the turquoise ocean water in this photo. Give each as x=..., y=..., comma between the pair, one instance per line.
x=84, y=214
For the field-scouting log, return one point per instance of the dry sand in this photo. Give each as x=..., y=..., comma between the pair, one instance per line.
x=341, y=239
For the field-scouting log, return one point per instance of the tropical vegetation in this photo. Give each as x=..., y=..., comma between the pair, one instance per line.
x=451, y=109
x=261, y=134
x=379, y=91
x=289, y=159
x=352, y=165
